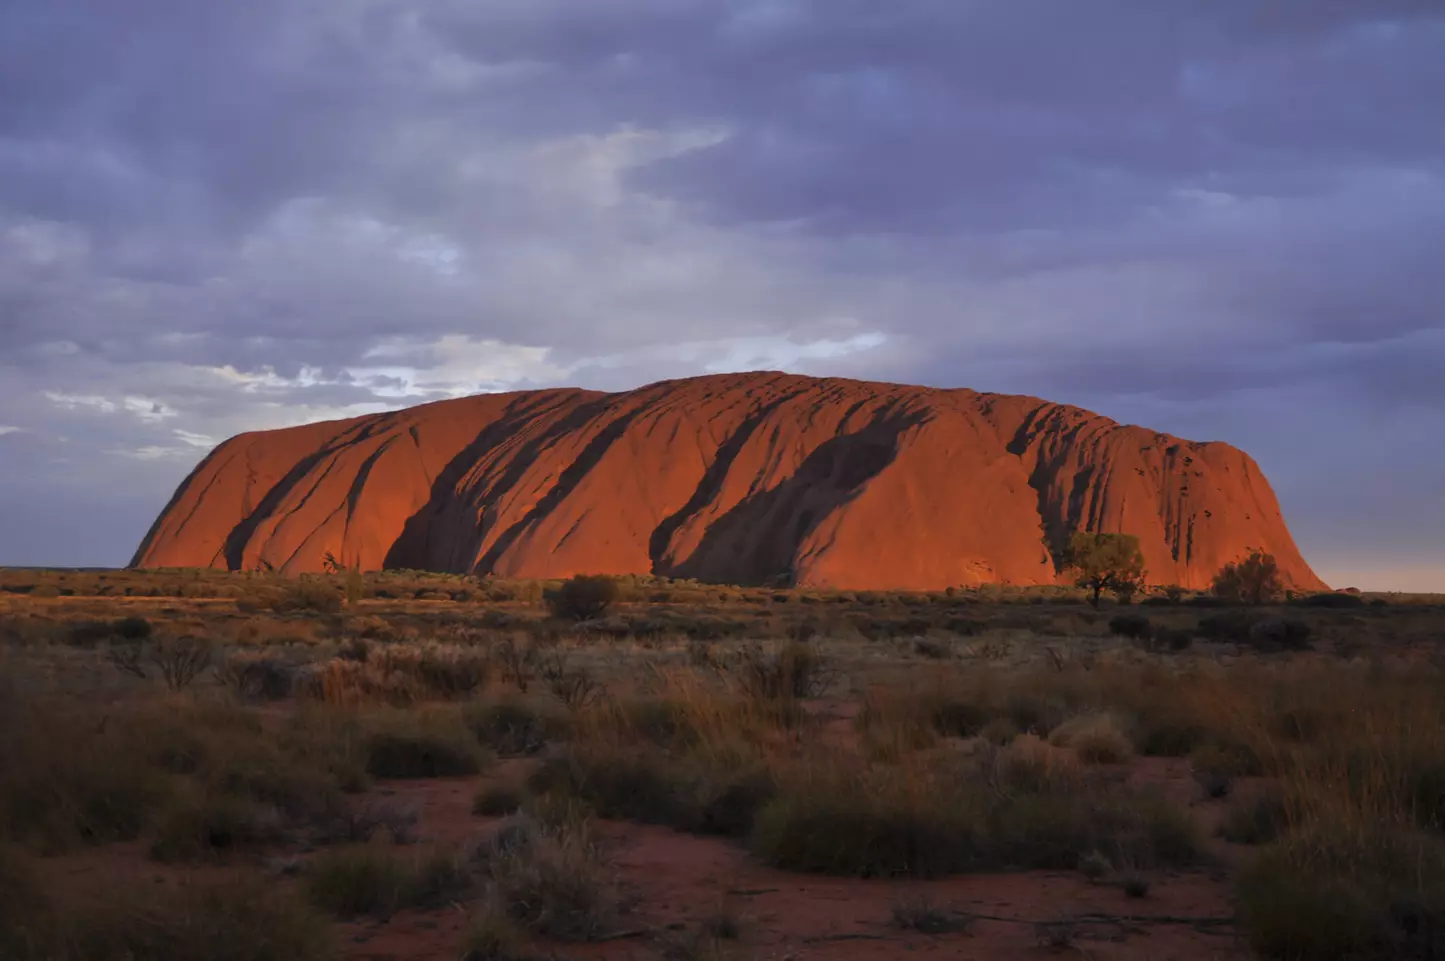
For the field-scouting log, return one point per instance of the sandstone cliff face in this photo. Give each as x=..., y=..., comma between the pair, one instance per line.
x=742, y=478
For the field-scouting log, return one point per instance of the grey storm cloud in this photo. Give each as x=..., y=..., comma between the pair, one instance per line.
x=1218, y=218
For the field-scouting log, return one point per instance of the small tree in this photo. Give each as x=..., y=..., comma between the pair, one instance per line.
x=1254, y=580
x=1106, y=562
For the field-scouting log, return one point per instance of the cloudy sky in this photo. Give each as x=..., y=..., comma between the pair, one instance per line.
x=1224, y=219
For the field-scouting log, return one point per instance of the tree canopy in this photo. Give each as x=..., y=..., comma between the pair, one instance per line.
x=1254, y=580
x=1106, y=562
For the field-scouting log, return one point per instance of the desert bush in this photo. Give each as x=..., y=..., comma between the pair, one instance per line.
x=728, y=801
x=396, y=674
x=857, y=829
x=574, y=686
x=227, y=752
x=509, y=726
x=1253, y=580
x=132, y=628
x=306, y=595
x=64, y=782
x=795, y=671
x=362, y=880
x=1017, y=813
x=1052, y=831
x=1230, y=626
x=583, y=597
x=438, y=879
x=618, y=784
x=129, y=657
x=551, y=881
x=518, y=659
x=209, y=826
x=1100, y=738
x=257, y=677
x=493, y=936
x=1333, y=600
x=498, y=800
x=1133, y=626
x=1029, y=765
x=89, y=633
x=230, y=921
x=657, y=720
x=1172, y=734
x=406, y=747
x=1171, y=639
x=1215, y=767
x=1345, y=891
x=712, y=795
x=1279, y=633
x=181, y=659
x=442, y=671
x=1256, y=820
x=999, y=732
x=933, y=650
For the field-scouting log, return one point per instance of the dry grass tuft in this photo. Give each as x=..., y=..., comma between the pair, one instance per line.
x=1099, y=738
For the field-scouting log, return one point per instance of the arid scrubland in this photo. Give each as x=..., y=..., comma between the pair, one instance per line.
x=210, y=765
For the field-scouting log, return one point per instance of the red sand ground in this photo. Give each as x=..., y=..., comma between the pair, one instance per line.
x=739, y=478
x=679, y=880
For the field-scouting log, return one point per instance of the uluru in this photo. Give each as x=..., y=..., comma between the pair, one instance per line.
x=755, y=478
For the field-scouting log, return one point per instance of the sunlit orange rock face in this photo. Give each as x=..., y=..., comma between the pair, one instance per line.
x=758, y=478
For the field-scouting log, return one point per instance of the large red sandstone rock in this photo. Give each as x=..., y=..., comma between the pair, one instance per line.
x=741, y=478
